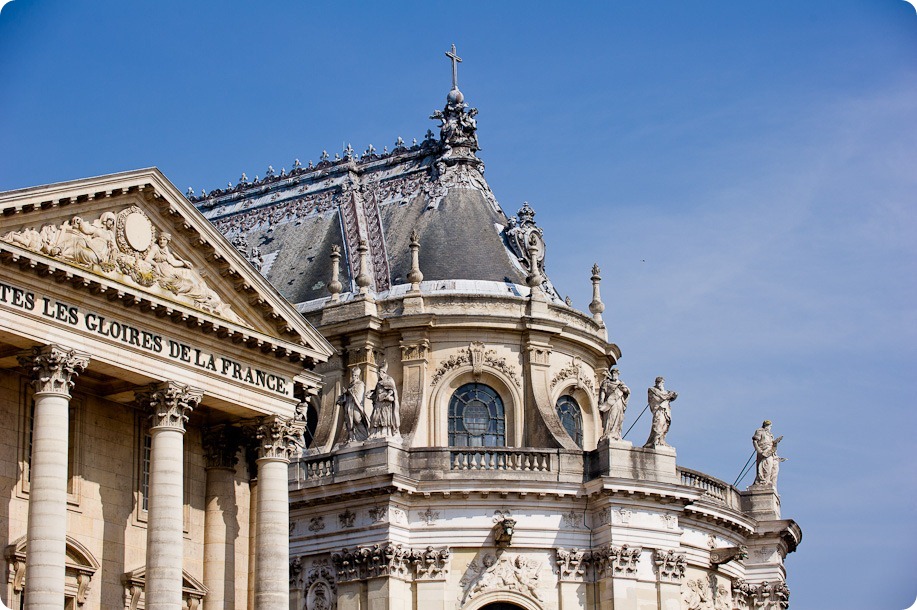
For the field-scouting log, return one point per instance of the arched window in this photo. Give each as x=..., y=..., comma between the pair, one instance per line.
x=476, y=417
x=571, y=417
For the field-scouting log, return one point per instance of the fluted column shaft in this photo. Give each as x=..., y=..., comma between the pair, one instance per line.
x=53, y=369
x=272, y=562
x=169, y=404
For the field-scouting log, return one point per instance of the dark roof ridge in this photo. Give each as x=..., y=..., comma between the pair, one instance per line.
x=349, y=162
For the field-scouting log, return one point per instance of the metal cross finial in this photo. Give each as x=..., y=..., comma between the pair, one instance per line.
x=456, y=60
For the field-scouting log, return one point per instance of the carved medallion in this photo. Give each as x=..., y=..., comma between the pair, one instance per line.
x=135, y=229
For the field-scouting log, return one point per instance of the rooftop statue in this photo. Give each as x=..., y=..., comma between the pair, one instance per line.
x=767, y=460
x=613, y=395
x=659, y=399
x=351, y=403
x=385, y=422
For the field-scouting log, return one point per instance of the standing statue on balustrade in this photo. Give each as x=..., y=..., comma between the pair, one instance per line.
x=659, y=399
x=385, y=421
x=351, y=403
x=767, y=460
x=613, y=395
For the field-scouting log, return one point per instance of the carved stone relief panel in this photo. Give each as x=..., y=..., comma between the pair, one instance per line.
x=125, y=247
x=508, y=572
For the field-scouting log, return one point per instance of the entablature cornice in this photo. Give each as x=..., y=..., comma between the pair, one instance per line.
x=182, y=316
x=152, y=194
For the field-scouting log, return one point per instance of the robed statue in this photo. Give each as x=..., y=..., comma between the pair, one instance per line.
x=659, y=402
x=385, y=421
x=351, y=403
x=767, y=460
x=613, y=395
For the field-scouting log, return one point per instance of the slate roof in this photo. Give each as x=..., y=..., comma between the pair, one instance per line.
x=287, y=223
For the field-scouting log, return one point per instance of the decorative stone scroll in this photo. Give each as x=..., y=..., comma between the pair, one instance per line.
x=169, y=403
x=476, y=352
x=431, y=563
x=373, y=562
x=127, y=248
x=54, y=368
x=614, y=561
x=572, y=563
x=764, y=596
x=670, y=565
x=727, y=554
x=526, y=240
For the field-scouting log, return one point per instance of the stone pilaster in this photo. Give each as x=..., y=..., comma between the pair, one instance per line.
x=415, y=356
x=276, y=438
x=572, y=565
x=670, y=571
x=616, y=571
x=169, y=404
x=221, y=527
x=53, y=369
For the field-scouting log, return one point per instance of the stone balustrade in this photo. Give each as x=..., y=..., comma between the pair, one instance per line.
x=496, y=458
x=714, y=489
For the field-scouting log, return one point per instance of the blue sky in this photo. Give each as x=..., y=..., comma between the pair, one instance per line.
x=744, y=173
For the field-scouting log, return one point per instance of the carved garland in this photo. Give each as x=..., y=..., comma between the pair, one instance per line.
x=476, y=357
x=574, y=371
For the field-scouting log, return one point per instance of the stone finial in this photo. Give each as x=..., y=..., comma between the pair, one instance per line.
x=363, y=279
x=189, y=194
x=348, y=152
x=596, y=307
x=270, y=171
x=399, y=143
x=324, y=156
x=243, y=179
x=414, y=275
x=297, y=164
x=335, y=286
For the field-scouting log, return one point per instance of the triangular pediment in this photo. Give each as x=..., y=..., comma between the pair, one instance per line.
x=134, y=237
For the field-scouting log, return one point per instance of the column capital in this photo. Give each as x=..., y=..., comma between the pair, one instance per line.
x=278, y=437
x=221, y=446
x=54, y=368
x=169, y=403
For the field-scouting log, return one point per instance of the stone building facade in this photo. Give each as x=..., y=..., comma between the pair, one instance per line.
x=149, y=385
x=465, y=449
x=179, y=434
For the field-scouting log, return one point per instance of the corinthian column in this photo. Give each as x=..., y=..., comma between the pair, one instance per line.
x=277, y=438
x=169, y=404
x=53, y=369
x=221, y=525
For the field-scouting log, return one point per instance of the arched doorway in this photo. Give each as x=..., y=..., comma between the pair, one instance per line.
x=501, y=606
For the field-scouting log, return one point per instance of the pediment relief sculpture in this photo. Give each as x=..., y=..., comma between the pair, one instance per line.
x=125, y=247
x=517, y=573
